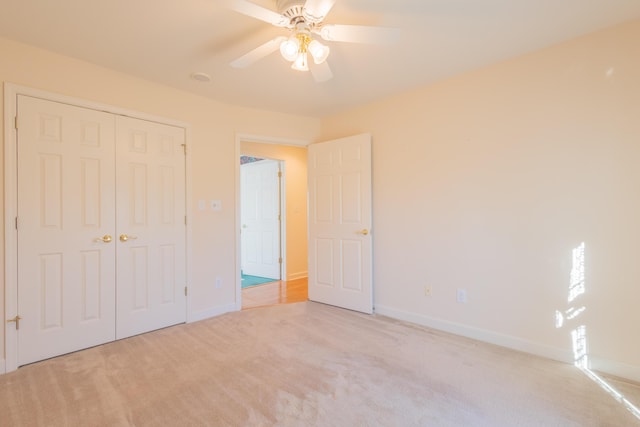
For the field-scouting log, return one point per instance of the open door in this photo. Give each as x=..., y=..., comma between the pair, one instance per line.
x=340, y=242
x=260, y=216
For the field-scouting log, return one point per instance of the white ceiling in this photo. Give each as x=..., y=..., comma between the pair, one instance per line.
x=166, y=41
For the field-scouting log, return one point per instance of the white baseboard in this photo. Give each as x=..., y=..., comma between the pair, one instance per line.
x=605, y=366
x=617, y=369
x=298, y=275
x=212, y=312
x=479, y=334
x=3, y=367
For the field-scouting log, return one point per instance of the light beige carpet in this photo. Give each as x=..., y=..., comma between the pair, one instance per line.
x=305, y=364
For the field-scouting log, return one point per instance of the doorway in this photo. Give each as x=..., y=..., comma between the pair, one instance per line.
x=292, y=285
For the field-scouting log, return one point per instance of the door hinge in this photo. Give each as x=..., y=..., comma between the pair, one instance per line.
x=280, y=260
x=15, y=320
x=15, y=122
x=279, y=174
x=184, y=147
x=185, y=291
x=185, y=220
x=16, y=223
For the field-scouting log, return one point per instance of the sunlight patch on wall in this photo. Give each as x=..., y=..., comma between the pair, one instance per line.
x=576, y=284
x=577, y=288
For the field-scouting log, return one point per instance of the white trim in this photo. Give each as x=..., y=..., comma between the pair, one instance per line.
x=282, y=192
x=78, y=102
x=562, y=355
x=483, y=335
x=238, y=284
x=189, y=213
x=617, y=369
x=11, y=92
x=272, y=140
x=212, y=312
x=2, y=367
x=10, y=232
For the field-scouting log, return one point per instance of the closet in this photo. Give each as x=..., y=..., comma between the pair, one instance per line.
x=100, y=227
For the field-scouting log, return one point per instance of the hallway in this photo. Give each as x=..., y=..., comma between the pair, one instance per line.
x=272, y=293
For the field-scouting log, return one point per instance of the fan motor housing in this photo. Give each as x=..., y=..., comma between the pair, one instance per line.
x=290, y=8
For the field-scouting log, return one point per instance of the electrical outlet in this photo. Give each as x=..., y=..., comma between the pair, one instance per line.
x=216, y=205
x=218, y=283
x=461, y=296
x=427, y=290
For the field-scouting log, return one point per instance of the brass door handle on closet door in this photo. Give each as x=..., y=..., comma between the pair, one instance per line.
x=363, y=232
x=125, y=237
x=106, y=239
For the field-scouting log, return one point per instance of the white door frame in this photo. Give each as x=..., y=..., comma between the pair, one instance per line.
x=11, y=92
x=283, y=200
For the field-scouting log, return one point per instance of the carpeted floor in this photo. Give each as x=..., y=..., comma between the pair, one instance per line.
x=248, y=281
x=305, y=364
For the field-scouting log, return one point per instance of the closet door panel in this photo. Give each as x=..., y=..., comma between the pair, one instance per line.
x=66, y=211
x=151, y=276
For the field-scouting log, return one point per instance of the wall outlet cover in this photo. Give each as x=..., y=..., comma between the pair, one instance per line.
x=461, y=296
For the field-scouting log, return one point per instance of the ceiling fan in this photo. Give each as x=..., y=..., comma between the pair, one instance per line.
x=304, y=21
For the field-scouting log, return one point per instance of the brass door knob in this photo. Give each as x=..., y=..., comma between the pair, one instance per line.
x=106, y=239
x=125, y=237
x=363, y=232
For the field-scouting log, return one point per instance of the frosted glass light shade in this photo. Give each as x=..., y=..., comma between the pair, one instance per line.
x=318, y=51
x=301, y=63
x=289, y=49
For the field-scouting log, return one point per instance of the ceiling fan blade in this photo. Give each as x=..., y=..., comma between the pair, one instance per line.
x=317, y=10
x=253, y=10
x=359, y=34
x=258, y=53
x=321, y=72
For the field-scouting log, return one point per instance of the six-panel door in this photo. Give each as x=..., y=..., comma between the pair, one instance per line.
x=80, y=188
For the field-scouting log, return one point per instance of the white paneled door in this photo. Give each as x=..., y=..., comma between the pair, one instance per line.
x=66, y=226
x=260, y=218
x=83, y=184
x=150, y=180
x=340, y=247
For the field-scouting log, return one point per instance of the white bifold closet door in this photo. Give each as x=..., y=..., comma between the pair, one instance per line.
x=101, y=227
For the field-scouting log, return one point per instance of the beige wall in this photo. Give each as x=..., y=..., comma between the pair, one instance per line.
x=213, y=129
x=295, y=159
x=487, y=181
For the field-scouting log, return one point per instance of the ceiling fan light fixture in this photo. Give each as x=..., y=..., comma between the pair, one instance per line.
x=318, y=51
x=289, y=49
x=301, y=62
